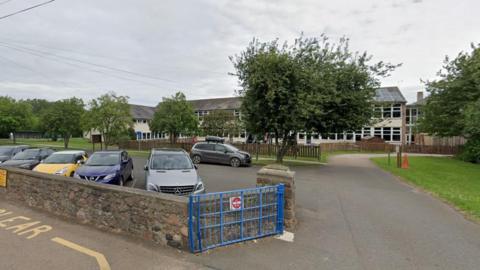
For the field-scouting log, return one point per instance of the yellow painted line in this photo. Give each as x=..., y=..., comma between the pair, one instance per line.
x=101, y=260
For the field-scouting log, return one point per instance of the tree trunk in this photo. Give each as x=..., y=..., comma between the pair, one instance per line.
x=173, y=137
x=104, y=141
x=66, y=140
x=14, y=138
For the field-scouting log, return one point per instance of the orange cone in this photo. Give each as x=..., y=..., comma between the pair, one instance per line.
x=405, y=164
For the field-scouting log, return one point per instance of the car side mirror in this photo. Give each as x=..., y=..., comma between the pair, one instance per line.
x=81, y=161
x=145, y=167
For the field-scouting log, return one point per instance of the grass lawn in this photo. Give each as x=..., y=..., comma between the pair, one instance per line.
x=326, y=155
x=75, y=143
x=453, y=180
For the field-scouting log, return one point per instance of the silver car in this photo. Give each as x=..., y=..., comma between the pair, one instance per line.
x=172, y=171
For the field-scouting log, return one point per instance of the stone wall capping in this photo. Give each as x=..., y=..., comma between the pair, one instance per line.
x=62, y=179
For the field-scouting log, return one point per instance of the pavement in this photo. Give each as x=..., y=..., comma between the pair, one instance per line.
x=67, y=245
x=351, y=215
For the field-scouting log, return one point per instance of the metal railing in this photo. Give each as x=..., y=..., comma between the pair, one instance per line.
x=223, y=218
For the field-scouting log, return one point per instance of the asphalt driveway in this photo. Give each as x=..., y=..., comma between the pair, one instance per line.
x=353, y=215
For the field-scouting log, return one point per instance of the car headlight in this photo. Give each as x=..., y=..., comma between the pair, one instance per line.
x=62, y=171
x=110, y=176
x=199, y=186
x=151, y=187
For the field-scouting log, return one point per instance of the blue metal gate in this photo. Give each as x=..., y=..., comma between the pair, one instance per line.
x=222, y=218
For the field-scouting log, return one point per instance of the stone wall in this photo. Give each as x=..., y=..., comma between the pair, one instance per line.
x=156, y=217
x=277, y=174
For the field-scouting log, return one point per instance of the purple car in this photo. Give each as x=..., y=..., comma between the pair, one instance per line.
x=107, y=167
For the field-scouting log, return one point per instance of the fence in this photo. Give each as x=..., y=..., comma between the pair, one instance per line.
x=303, y=151
x=310, y=151
x=222, y=218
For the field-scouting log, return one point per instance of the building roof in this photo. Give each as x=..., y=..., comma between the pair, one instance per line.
x=418, y=103
x=389, y=94
x=141, y=112
x=228, y=103
x=383, y=94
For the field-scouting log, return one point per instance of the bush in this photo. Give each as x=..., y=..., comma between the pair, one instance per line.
x=471, y=152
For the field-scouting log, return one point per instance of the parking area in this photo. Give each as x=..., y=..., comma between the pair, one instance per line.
x=215, y=177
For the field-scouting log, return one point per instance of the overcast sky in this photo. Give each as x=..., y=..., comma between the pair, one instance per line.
x=150, y=49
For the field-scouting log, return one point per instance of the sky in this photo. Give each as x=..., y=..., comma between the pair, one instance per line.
x=149, y=49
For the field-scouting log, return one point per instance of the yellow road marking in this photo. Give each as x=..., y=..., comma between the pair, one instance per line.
x=101, y=260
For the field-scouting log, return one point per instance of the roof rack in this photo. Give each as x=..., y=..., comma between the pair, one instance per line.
x=214, y=139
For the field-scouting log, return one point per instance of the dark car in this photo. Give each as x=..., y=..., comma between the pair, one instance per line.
x=28, y=158
x=8, y=151
x=107, y=167
x=220, y=153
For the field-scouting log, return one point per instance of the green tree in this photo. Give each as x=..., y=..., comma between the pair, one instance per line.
x=452, y=106
x=63, y=118
x=174, y=116
x=221, y=123
x=313, y=86
x=110, y=115
x=14, y=116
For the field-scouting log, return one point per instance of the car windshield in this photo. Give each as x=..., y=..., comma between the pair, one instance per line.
x=5, y=151
x=60, y=159
x=27, y=154
x=231, y=147
x=103, y=159
x=167, y=161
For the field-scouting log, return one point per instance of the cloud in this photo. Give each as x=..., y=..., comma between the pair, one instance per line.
x=184, y=45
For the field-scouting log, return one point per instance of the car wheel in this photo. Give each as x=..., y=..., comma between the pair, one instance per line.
x=235, y=162
x=120, y=182
x=196, y=159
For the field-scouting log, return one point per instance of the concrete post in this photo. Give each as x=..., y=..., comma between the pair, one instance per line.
x=277, y=174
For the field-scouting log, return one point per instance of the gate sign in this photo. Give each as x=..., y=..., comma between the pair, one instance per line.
x=235, y=203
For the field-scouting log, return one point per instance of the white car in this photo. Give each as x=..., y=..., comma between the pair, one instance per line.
x=172, y=171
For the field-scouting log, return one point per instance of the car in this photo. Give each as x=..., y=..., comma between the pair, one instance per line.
x=107, y=167
x=172, y=171
x=28, y=158
x=220, y=153
x=62, y=163
x=8, y=151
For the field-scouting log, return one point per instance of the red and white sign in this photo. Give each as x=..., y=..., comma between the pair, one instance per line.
x=235, y=203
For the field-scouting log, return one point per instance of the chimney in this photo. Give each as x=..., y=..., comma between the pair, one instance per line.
x=419, y=96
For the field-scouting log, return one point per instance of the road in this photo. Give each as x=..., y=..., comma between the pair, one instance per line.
x=351, y=214
x=66, y=245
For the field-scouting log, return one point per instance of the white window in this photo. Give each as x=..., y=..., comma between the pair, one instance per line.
x=367, y=132
x=387, y=111
x=396, y=134
x=397, y=111
x=387, y=134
